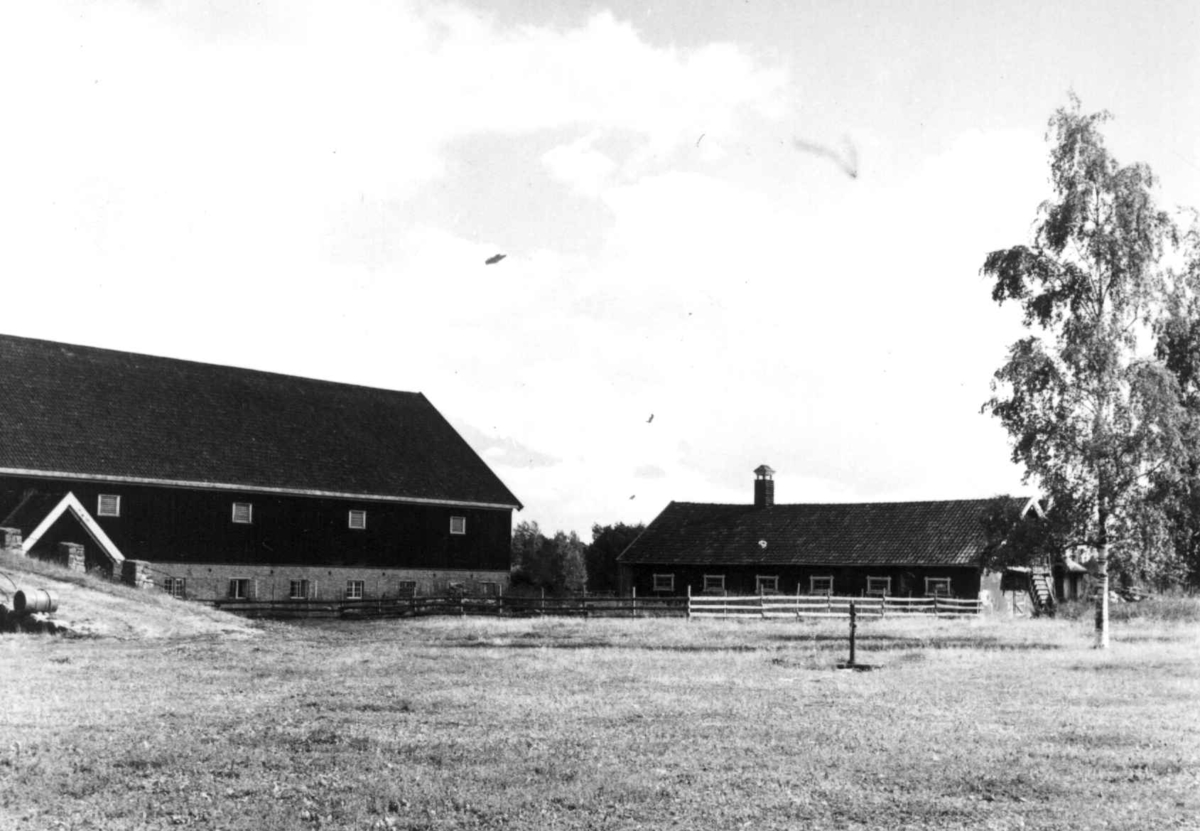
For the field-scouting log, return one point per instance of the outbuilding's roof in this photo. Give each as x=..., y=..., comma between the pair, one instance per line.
x=943, y=533
x=80, y=412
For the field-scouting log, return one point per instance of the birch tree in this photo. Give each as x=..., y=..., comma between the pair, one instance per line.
x=1090, y=418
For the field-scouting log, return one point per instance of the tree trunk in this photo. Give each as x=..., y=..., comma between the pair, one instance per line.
x=1102, y=578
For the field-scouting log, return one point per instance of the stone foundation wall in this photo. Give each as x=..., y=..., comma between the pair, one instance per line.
x=137, y=573
x=70, y=555
x=202, y=581
x=10, y=541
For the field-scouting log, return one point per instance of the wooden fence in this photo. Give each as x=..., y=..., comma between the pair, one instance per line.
x=827, y=606
x=697, y=606
x=424, y=605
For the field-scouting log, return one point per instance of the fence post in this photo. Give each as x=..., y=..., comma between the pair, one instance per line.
x=689, y=601
x=762, y=603
x=853, y=626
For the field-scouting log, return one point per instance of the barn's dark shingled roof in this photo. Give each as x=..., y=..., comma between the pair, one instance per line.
x=945, y=533
x=95, y=412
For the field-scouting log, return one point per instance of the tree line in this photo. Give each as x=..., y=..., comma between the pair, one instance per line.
x=564, y=564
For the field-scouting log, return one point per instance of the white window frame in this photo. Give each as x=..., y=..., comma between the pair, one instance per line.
x=304, y=589
x=812, y=584
x=249, y=518
x=718, y=582
x=933, y=583
x=176, y=587
x=461, y=522
x=354, y=589
x=239, y=588
x=766, y=583
x=361, y=516
x=663, y=582
x=875, y=592
x=114, y=504
x=407, y=588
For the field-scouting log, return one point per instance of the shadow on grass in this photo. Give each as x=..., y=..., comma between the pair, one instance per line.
x=884, y=642
x=878, y=643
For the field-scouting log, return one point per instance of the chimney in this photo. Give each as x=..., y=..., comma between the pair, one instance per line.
x=764, y=487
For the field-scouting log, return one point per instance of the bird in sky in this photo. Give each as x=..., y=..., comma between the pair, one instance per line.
x=650, y=419
x=848, y=162
x=495, y=258
x=632, y=497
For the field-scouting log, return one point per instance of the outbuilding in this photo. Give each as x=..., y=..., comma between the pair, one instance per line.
x=220, y=482
x=904, y=549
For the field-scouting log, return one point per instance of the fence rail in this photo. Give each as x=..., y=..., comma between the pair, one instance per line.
x=823, y=606
x=495, y=606
x=697, y=606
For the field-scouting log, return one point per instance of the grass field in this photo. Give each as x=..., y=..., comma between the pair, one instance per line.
x=451, y=723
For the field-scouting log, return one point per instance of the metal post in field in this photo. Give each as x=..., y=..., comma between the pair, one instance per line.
x=853, y=663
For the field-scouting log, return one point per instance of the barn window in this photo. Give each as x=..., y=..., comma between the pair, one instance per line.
x=175, y=587
x=458, y=525
x=243, y=513
x=239, y=589
x=354, y=589
x=407, y=588
x=664, y=582
x=714, y=582
x=358, y=520
x=488, y=589
x=108, y=504
x=937, y=586
x=298, y=590
x=766, y=583
x=879, y=586
x=820, y=585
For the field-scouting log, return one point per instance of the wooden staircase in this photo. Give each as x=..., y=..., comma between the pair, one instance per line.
x=1041, y=593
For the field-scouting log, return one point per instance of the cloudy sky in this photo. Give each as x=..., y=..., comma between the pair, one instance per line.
x=312, y=188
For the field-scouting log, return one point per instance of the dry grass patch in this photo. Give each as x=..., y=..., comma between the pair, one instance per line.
x=606, y=724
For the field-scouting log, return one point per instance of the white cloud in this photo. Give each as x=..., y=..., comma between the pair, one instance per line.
x=581, y=166
x=256, y=185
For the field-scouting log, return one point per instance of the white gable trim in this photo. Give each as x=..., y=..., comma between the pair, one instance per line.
x=1035, y=506
x=70, y=503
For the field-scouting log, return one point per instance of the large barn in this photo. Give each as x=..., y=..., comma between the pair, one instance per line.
x=222, y=482
x=902, y=549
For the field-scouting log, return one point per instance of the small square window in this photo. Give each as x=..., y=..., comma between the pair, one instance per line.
x=358, y=520
x=243, y=513
x=937, y=586
x=108, y=504
x=767, y=584
x=407, y=588
x=714, y=582
x=879, y=586
x=354, y=589
x=239, y=589
x=820, y=585
x=489, y=589
x=664, y=582
x=175, y=587
x=458, y=525
x=298, y=590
